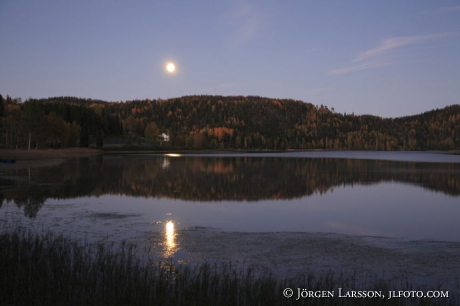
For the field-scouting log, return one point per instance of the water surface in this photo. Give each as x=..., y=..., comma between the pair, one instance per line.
x=164, y=202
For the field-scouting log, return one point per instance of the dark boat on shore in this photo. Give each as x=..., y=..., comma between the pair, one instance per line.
x=7, y=161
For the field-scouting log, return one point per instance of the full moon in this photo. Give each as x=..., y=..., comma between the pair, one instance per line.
x=170, y=67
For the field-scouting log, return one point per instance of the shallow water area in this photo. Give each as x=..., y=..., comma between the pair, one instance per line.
x=368, y=215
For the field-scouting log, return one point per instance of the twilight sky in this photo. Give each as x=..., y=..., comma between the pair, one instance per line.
x=386, y=58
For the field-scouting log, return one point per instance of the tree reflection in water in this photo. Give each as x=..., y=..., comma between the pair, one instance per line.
x=214, y=178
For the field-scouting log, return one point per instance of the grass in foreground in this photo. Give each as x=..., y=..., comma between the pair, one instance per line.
x=48, y=269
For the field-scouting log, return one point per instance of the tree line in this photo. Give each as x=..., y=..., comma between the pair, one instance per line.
x=54, y=123
x=220, y=122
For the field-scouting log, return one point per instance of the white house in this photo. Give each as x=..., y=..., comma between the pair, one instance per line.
x=165, y=137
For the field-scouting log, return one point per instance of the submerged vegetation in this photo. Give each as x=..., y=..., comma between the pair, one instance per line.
x=49, y=269
x=218, y=122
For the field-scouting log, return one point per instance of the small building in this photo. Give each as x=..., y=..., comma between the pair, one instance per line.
x=165, y=137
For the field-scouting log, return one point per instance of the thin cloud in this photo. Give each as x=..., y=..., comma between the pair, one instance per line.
x=395, y=42
x=312, y=50
x=449, y=9
x=320, y=88
x=223, y=86
x=362, y=66
x=246, y=22
x=372, y=58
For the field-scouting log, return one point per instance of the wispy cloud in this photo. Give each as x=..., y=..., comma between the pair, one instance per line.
x=357, y=67
x=320, y=88
x=313, y=50
x=246, y=22
x=372, y=58
x=449, y=9
x=223, y=86
x=395, y=42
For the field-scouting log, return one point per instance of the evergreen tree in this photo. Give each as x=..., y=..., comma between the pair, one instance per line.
x=1, y=106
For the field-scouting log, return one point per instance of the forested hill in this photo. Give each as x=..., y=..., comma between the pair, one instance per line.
x=218, y=122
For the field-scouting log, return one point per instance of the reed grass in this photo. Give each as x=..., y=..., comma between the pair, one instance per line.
x=50, y=269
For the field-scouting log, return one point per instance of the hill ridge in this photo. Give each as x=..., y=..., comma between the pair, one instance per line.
x=221, y=122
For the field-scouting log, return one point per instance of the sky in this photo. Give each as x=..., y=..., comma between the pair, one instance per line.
x=385, y=58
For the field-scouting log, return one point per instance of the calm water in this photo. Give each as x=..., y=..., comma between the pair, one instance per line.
x=405, y=195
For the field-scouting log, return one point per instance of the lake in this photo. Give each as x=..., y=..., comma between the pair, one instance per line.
x=372, y=212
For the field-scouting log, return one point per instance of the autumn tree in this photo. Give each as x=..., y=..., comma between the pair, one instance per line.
x=152, y=131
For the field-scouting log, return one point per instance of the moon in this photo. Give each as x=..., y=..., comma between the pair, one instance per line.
x=170, y=67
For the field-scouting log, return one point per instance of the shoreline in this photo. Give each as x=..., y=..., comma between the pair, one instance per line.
x=44, y=154
x=37, y=154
